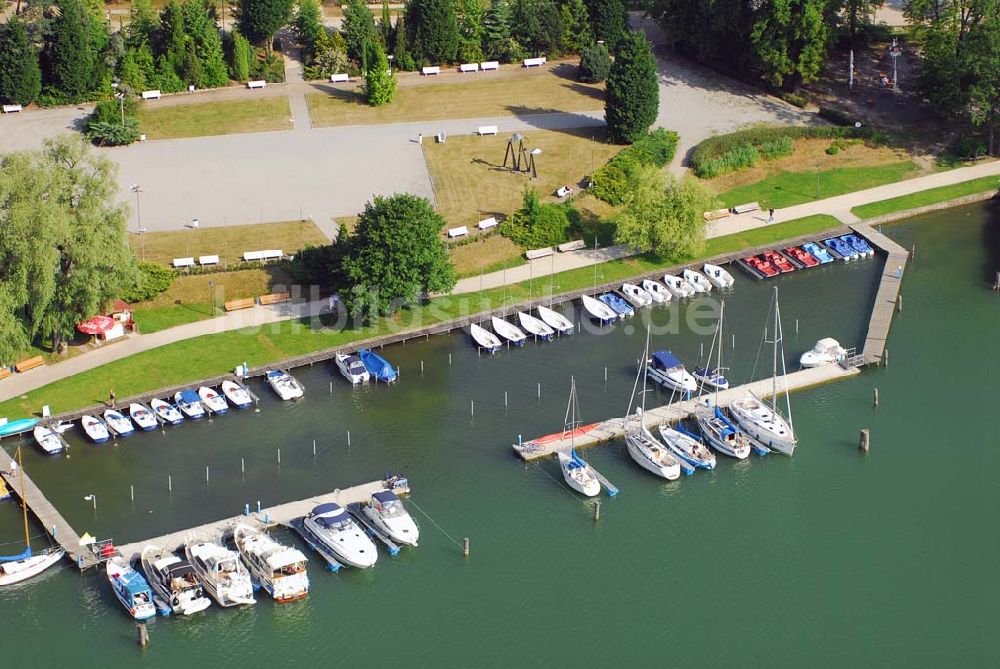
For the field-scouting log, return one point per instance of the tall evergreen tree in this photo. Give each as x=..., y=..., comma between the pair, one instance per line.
x=20, y=75
x=608, y=20
x=433, y=27
x=143, y=25
x=385, y=27
x=497, y=39
x=575, y=21
x=359, y=28
x=199, y=24
x=380, y=86
x=633, y=95
x=538, y=25
x=309, y=25
x=173, y=38
x=240, y=59
x=259, y=20
x=71, y=55
x=790, y=41
x=402, y=58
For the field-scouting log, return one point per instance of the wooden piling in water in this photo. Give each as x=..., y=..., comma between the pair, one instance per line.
x=864, y=441
x=597, y=511
x=465, y=547
x=875, y=396
x=142, y=634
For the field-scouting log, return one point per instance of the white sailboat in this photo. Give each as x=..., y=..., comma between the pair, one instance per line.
x=715, y=428
x=687, y=447
x=535, y=327
x=484, y=339
x=657, y=291
x=642, y=446
x=598, y=310
x=699, y=282
x=555, y=320
x=18, y=568
x=508, y=331
x=577, y=473
x=47, y=439
x=719, y=277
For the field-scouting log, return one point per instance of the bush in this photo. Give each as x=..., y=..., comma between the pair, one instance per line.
x=611, y=182
x=778, y=148
x=270, y=68
x=795, y=99
x=152, y=279
x=595, y=63
x=837, y=116
x=537, y=225
x=104, y=127
x=832, y=150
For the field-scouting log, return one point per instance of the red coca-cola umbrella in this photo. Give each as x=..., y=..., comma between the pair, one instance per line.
x=96, y=325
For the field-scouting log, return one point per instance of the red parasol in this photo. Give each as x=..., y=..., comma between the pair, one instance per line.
x=96, y=325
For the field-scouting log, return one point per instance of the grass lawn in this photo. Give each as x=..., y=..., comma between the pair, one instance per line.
x=228, y=241
x=926, y=197
x=215, y=118
x=790, y=188
x=197, y=358
x=545, y=90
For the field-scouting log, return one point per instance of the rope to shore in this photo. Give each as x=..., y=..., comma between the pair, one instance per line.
x=441, y=529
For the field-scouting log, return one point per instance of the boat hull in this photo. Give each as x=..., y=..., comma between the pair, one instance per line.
x=764, y=425
x=21, y=570
x=636, y=451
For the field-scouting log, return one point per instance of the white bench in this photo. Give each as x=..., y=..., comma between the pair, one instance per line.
x=431, y=69
x=208, y=260
x=458, y=232
x=744, y=208
x=575, y=245
x=151, y=95
x=488, y=130
x=270, y=254
x=256, y=84
x=563, y=191
x=487, y=223
x=10, y=109
x=468, y=67
x=339, y=78
x=534, y=254
x=183, y=262
x=490, y=65
x=534, y=62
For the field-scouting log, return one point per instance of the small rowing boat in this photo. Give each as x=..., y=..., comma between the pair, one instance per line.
x=95, y=429
x=719, y=277
x=166, y=411
x=212, y=400
x=143, y=416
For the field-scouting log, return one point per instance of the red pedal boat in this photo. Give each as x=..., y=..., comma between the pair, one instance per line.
x=779, y=261
x=801, y=256
x=762, y=266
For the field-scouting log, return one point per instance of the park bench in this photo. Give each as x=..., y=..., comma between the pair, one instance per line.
x=270, y=254
x=468, y=67
x=183, y=262
x=256, y=84
x=430, y=69
x=575, y=245
x=10, y=109
x=30, y=363
x=460, y=231
x=716, y=214
x=564, y=191
x=151, y=95
x=487, y=223
x=208, y=260
x=341, y=78
x=534, y=62
x=245, y=303
x=5, y=372
x=275, y=298
x=744, y=208
x=534, y=254
x=490, y=65
x=488, y=130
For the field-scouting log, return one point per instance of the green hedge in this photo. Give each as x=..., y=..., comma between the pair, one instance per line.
x=611, y=182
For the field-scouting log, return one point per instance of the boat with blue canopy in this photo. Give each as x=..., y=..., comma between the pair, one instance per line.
x=330, y=526
x=190, y=404
x=130, y=588
x=666, y=369
x=618, y=304
x=377, y=366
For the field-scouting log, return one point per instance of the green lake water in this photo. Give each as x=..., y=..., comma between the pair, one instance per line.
x=827, y=559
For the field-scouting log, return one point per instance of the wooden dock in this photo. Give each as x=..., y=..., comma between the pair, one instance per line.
x=613, y=428
x=887, y=297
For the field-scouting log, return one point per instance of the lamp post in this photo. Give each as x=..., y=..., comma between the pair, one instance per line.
x=93, y=499
x=211, y=288
x=136, y=188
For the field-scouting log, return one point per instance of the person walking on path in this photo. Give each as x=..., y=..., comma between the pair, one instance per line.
x=111, y=399
x=770, y=215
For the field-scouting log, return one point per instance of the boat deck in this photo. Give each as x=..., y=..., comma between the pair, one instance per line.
x=888, y=292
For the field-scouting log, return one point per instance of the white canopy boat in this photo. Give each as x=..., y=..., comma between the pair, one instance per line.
x=656, y=290
x=47, y=439
x=221, y=572
x=636, y=295
x=535, y=327
x=718, y=277
x=175, y=586
x=335, y=531
x=387, y=513
x=212, y=400
x=279, y=570
x=710, y=377
x=95, y=428
x=598, y=310
x=189, y=404
x=286, y=386
x=555, y=320
x=352, y=368
x=166, y=411
x=578, y=474
x=118, y=422
x=699, y=282
x=237, y=395
x=687, y=447
x=826, y=352
x=484, y=339
x=508, y=331
x=143, y=416
x=130, y=588
x=678, y=286
x=666, y=369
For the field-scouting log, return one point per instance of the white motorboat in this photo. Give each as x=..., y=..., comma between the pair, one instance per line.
x=286, y=386
x=763, y=423
x=687, y=447
x=175, y=586
x=352, y=368
x=387, y=513
x=636, y=295
x=237, y=395
x=335, y=531
x=212, y=400
x=508, y=331
x=484, y=339
x=718, y=277
x=666, y=369
x=721, y=434
x=699, y=282
x=578, y=474
x=118, y=422
x=555, y=320
x=95, y=429
x=656, y=290
x=189, y=404
x=826, y=352
x=598, y=310
x=710, y=377
x=221, y=572
x=130, y=588
x=166, y=411
x=47, y=439
x=535, y=327
x=678, y=286
x=650, y=454
x=279, y=570
x=143, y=416
x=16, y=571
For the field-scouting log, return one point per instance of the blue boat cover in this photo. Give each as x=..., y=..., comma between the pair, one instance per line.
x=16, y=426
x=385, y=496
x=190, y=396
x=328, y=515
x=134, y=582
x=616, y=303
x=721, y=416
x=377, y=365
x=666, y=360
x=14, y=558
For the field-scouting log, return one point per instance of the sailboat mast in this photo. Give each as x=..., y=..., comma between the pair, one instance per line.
x=718, y=364
x=774, y=357
x=24, y=502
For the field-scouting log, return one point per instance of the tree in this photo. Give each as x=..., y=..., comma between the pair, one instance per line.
x=396, y=255
x=608, y=20
x=259, y=20
x=633, y=94
x=470, y=15
x=143, y=25
x=538, y=25
x=575, y=21
x=359, y=28
x=663, y=216
x=497, y=40
x=239, y=66
x=309, y=26
x=385, y=27
x=403, y=59
x=595, y=63
x=535, y=225
x=790, y=40
x=380, y=85
x=331, y=57
x=20, y=75
x=433, y=28
x=206, y=45
x=71, y=55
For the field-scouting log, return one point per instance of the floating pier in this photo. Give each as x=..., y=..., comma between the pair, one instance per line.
x=887, y=297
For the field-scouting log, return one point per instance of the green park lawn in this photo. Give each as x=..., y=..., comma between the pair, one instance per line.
x=209, y=355
x=215, y=118
x=926, y=197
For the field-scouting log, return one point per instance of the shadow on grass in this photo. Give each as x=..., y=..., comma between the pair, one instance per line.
x=349, y=95
x=589, y=91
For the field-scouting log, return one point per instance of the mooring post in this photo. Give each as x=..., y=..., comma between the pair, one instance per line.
x=472, y=407
x=243, y=466
x=170, y=483
x=314, y=448
x=331, y=387
x=421, y=368
x=449, y=359
x=539, y=390
x=258, y=506
x=605, y=373
x=131, y=494
x=246, y=509
x=734, y=342
x=885, y=357
x=142, y=637
x=875, y=396
x=465, y=547
x=206, y=473
x=505, y=399
x=279, y=456
x=899, y=304
x=348, y=438
x=864, y=441
x=597, y=511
